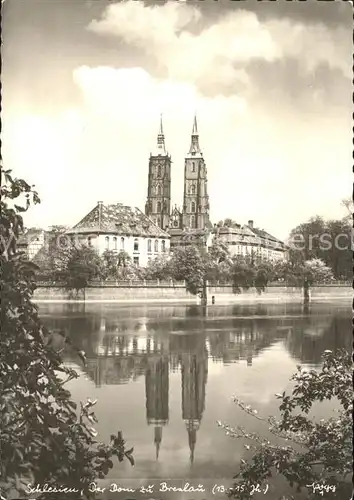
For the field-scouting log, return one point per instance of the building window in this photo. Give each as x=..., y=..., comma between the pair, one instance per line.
x=115, y=243
x=163, y=246
x=136, y=245
x=89, y=241
x=159, y=171
x=158, y=207
x=193, y=166
x=159, y=189
x=193, y=189
x=193, y=207
x=175, y=223
x=149, y=245
x=136, y=261
x=122, y=243
x=193, y=221
x=156, y=246
x=107, y=242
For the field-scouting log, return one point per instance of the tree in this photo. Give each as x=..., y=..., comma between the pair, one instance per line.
x=44, y=438
x=109, y=267
x=245, y=274
x=158, y=269
x=190, y=264
x=123, y=259
x=329, y=241
x=304, y=274
x=49, y=254
x=229, y=222
x=340, y=254
x=76, y=266
x=312, y=453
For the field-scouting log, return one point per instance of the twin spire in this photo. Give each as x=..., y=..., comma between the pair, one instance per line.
x=194, y=147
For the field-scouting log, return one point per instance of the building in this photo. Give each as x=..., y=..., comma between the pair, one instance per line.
x=163, y=226
x=32, y=241
x=249, y=241
x=158, y=204
x=194, y=215
x=118, y=227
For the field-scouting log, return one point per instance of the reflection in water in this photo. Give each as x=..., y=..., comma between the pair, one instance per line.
x=125, y=344
x=156, y=389
x=194, y=367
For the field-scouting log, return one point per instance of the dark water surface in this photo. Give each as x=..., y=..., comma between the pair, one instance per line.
x=165, y=374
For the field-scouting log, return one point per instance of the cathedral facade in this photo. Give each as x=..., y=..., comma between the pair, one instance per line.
x=194, y=214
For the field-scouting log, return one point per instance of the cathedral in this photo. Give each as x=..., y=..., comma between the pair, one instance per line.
x=194, y=214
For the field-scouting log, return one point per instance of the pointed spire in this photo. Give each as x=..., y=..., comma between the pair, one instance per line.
x=195, y=148
x=161, y=149
x=192, y=439
x=157, y=440
x=195, y=128
x=161, y=127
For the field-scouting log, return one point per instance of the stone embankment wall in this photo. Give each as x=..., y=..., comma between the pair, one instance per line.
x=223, y=294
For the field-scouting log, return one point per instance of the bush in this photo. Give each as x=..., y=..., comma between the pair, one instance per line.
x=45, y=439
x=313, y=453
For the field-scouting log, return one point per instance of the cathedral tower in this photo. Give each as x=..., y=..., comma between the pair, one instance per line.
x=195, y=198
x=158, y=204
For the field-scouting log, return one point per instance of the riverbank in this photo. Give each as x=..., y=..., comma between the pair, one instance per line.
x=222, y=294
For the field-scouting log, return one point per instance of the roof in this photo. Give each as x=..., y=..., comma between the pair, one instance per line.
x=190, y=236
x=247, y=234
x=29, y=236
x=263, y=234
x=118, y=219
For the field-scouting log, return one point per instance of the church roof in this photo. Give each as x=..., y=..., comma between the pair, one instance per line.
x=118, y=219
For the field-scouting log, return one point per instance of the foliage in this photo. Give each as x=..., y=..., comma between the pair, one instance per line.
x=297, y=273
x=158, y=269
x=227, y=223
x=190, y=264
x=49, y=254
x=313, y=452
x=44, y=438
x=329, y=241
x=123, y=259
x=109, y=264
x=245, y=274
x=196, y=265
x=119, y=266
x=75, y=266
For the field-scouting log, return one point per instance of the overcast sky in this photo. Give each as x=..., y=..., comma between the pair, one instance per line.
x=84, y=83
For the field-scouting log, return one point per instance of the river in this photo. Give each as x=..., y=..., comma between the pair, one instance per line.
x=165, y=375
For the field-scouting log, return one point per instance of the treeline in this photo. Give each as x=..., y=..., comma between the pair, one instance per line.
x=318, y=250
x=331, y=241
x=76, y=266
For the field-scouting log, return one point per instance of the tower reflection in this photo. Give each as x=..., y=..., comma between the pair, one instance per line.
x=123, y=350
x=194, y=374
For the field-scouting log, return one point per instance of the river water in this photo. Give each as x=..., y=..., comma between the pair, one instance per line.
x=165, y=375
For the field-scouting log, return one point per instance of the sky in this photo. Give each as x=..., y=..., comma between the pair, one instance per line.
x=85, y=82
